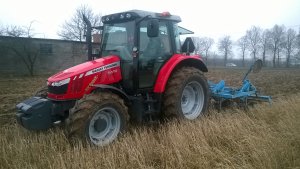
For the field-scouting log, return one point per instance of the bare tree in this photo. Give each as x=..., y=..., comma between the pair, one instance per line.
x=254, y=40
x=18, y=31
x=298, y=45
x=214, y=58
x=199, y=47
x=225, y=47
x=203, y=45
x=265, y=44
x=298, y=40
x=281, y=49
x=290, y=44
x=74, y=28
x=243, y=44
x=23, y=47
x=3, y=50
x=2, y=30
x=207, y=43
x=27, y=52
x=29, y=31
x=15, y=31
x=276, y=39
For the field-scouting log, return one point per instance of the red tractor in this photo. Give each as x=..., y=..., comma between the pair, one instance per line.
x=141, y=73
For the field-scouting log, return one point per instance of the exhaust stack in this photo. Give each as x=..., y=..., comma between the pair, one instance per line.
x=88, y=36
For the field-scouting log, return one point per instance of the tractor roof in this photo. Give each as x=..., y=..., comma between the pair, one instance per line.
x=134, y=14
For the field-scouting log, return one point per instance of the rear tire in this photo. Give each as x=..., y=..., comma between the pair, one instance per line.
x=98, y=118
x=186, y=95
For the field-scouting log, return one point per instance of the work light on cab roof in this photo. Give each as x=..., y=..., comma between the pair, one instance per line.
x=165, y=14
x=134, y=14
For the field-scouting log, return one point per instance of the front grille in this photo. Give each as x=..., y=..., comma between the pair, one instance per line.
x=58, y=89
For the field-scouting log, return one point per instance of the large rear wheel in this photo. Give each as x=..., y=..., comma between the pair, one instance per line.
x=186, y=94
x=98, y=118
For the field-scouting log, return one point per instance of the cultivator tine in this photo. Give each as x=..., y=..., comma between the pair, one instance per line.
x=261, y=98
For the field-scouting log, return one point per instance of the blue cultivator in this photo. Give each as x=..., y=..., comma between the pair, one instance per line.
x=244, y=95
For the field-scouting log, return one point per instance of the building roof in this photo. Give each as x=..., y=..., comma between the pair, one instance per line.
x=39, y=39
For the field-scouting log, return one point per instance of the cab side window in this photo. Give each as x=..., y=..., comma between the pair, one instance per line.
x=155, y=47
x=177, y=38
x=153, y=53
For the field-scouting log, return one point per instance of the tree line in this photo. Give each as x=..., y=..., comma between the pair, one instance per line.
x=275, y=44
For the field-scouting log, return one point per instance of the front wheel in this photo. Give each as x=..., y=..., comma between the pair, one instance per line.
x=98, y=118
x=187, y=94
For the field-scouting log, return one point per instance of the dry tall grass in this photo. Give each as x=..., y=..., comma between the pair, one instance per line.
x=263, y=137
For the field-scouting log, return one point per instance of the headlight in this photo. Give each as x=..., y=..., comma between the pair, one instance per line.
x=60, y=83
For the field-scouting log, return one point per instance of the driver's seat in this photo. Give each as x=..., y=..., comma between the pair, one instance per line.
x=153, y=49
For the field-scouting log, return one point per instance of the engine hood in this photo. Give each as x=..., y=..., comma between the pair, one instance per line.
x=84, y=68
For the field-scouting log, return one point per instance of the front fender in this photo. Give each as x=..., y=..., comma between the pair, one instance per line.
x=174, y=63
x=113, y=89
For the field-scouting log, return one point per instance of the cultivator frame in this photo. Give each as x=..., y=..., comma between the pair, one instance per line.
x=244, y=95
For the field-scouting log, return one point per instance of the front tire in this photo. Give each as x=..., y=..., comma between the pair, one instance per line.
x=98, y=118
x=186, y=94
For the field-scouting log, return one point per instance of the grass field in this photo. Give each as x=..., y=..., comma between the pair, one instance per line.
x=263, y=137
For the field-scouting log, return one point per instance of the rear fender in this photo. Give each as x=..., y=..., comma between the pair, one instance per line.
x=175, y=62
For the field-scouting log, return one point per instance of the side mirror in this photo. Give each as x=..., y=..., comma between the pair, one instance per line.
x=152, y=28
x=188, y=46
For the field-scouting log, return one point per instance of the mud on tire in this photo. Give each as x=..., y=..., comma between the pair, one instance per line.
x=186, y=95
x=97, y=118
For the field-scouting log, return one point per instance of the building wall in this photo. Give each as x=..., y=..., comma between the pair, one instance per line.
x=52, y=55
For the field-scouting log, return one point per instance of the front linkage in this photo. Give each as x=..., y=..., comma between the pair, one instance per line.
x=37, y=113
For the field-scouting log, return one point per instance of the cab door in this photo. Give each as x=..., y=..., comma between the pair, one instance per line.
x=153, y=52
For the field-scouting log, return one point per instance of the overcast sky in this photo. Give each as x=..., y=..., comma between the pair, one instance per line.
x=213, y=18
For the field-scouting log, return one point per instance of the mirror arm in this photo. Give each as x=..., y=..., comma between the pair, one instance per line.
x=188, y=49
x=143, y=18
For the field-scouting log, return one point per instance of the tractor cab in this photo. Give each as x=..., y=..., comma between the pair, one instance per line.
x=144, y=41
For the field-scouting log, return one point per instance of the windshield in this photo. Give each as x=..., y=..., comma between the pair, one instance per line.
x=118, y=39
